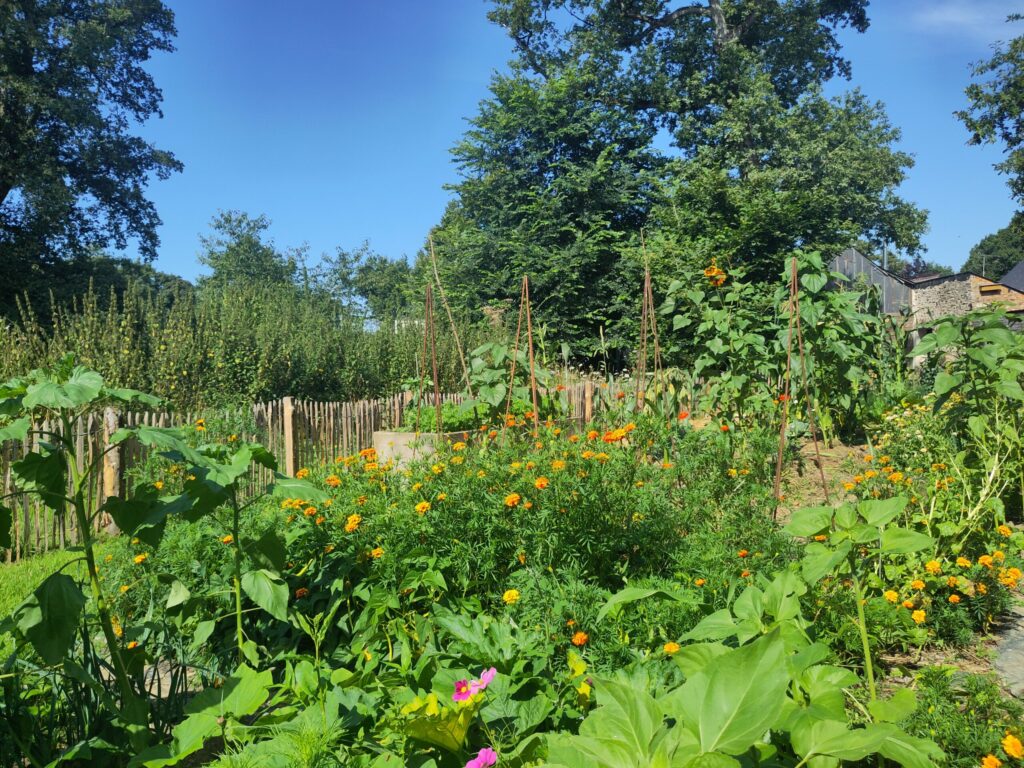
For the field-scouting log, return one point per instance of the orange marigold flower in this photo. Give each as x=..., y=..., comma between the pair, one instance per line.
x=227, y=539
x=744, y=574
x=132, y=645
x=821, y=537
x=1012, y=746
x=302, y=474
x=849, y=486
x=985, y=560
x=328, y=549
x=377, y=553
x=933, y=567
x=683, y=415
x=891, y=595
x=917, y=584
x=140, y=559
x=301, y=592
x=512, y=500
x=557, y=465
x=541, y=483
x=159, y=485
x=991, y=761
x=918, y=617
x=320, y=520
x=333, y=480
x=954, y=599
x=352, y=523
x=742, y=553
x=700, y=582
x=724, y=427
x=593, y=434
x=963, y=562
x=580, y=639
x=1004, y=530
x=951, y=582
x=309, y=511
x=368, y=453
x=671, y=648
x=423, y=507
x=908, y=603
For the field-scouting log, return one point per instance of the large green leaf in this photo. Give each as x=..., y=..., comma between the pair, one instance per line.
x=15, y=430
x=879, y=512
x=908, y=751
x=293, y=488
x=900, y=541
x=833, y=738
x=732, y=703
x=898, y=707
x=635, y=594
x=819, y=560
x=717, y=626
x=49, y=617
x=6, y=520
x=42, y=473
x=142, y=516
x=809, y=521
x=268, y=591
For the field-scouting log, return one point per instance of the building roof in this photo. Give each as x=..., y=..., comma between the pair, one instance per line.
x=1015, y=277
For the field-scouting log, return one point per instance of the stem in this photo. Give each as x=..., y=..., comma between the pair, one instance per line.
x=237, y=576
x=866, y=644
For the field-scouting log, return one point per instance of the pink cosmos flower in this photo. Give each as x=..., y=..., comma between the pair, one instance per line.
x=485, y=679
x=484, y=758
x=463, y=690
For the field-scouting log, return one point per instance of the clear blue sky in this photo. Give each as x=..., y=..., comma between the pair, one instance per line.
x=335, y=118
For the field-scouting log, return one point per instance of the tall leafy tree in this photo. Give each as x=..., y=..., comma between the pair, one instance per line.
x=998, y=253
x=240, y=253
x=771, y=178
x=677, y=65
x=996, y=111
x=555, y=185
x=72, y=84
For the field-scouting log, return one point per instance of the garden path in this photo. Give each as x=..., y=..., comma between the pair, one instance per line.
x=1009, y=660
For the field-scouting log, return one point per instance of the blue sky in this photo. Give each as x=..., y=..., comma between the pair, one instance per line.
x=335, y=118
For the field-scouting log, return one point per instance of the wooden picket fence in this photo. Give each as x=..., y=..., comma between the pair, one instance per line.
x=297, y=432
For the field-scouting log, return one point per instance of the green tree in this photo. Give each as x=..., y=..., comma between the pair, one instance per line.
x=996, y=111
x=555, y=186
x=239, y=253
x=998, y=253
x=771, y=178
x=677, y=65
x=384, y=285
x=72, y=83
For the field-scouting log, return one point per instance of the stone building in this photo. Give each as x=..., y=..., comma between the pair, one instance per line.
x=927, y=299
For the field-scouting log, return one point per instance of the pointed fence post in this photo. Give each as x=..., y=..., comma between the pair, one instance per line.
x=291, y=458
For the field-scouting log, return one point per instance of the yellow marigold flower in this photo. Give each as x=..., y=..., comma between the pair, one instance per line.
x=140, y=559
x=981, y=588
x=124, y=588
x=963, y=562
x=849, y=486
x=333, y=481
x=480, y=473
x=309, y=511
x=991, y=761
x=917, y=584
x=302, y=474
x=998, y=556
x=1012, y=746
x=132, y=645
x=521, y=557
x=557, y=465
x=368, y=453
x=328, y=549
x=200, y=425
x=423, y=507
x=115, y=624
x=985, y=560
x=416, y=486
x=512, y=500
x=951, y=582
x=108, y=558
x=933, y=567
x=437, y=469
x=541, y=483
x=442, y=496
x=511, y=596
x=870, y=474
x=580, y=639
x=228, y=539
x=371, y=466
x=954, y=599
x=896, y=477
x=593, y=434
x=918, y=617
x=456, y=460
x=1004, y=530
x=377, y=553
x=671, y=648
x=884, y=460
x=604, y=457
x=731, y=472
x=159, y=485
x=352, y=523
x=232, y=438
x=891, y=596
x=320, y=520
x=459, y=446
x=700, y=582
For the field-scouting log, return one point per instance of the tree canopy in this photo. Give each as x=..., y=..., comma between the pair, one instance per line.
x=996, y=111
x=998, y=253
x=239, y=252
x=72, y=175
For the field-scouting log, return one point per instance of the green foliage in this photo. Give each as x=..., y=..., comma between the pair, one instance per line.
x=238, y=254
x=996, y=106
x=998, y=253
x=76, y=179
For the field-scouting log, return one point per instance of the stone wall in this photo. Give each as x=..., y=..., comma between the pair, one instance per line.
x=953, y=295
